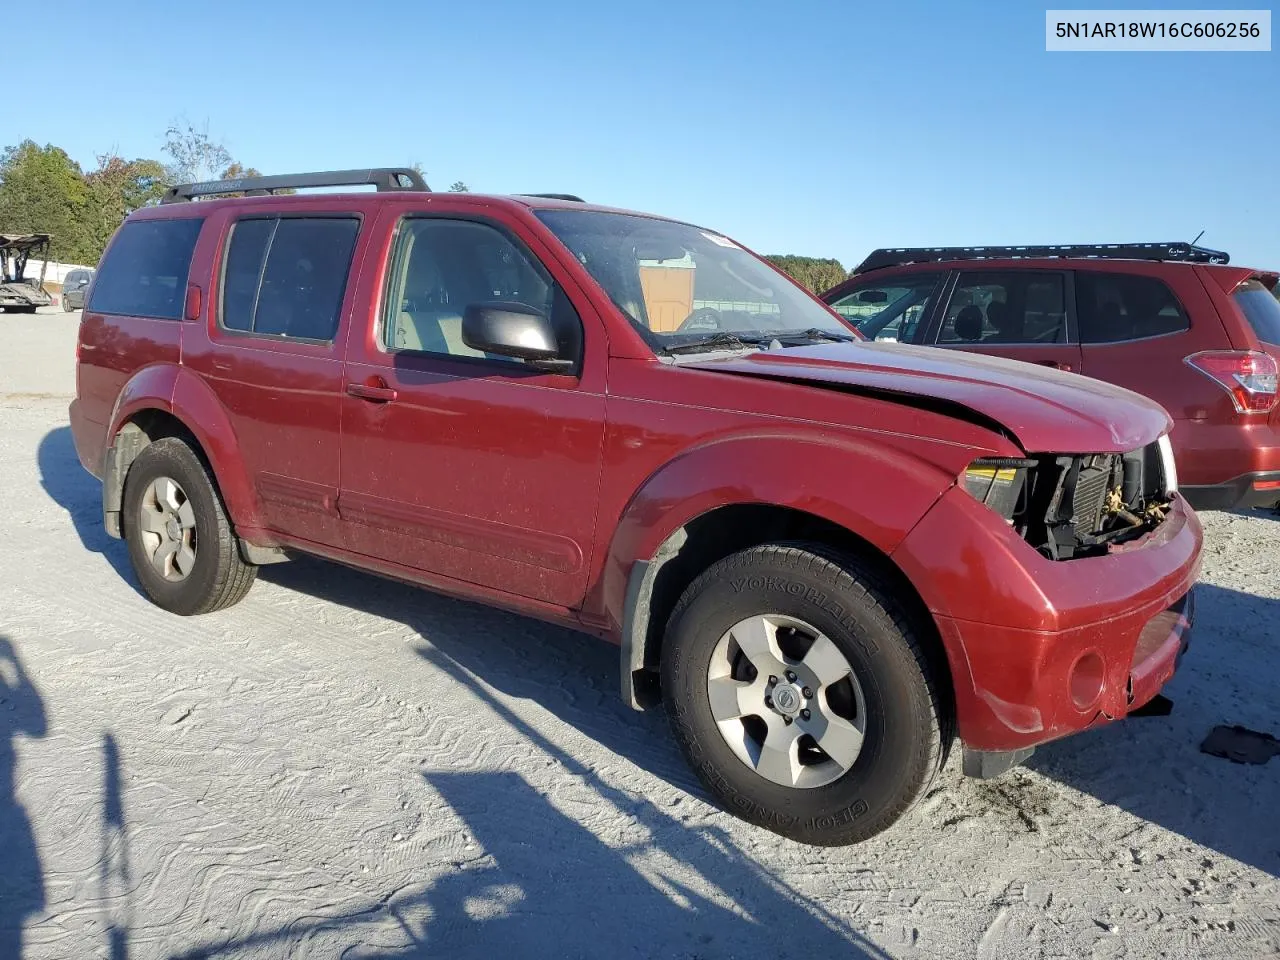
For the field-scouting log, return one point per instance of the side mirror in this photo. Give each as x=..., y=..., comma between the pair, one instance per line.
x=517, y=330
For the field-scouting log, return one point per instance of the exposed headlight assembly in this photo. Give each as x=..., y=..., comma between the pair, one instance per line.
x=999, y=482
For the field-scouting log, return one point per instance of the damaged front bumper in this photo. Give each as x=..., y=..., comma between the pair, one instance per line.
x=1041, y=649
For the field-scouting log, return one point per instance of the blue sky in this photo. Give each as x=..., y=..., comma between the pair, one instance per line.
x=824, y=129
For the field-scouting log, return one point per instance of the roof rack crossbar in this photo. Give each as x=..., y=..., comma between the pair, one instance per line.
x=553, y=196
x=383, y=178
x=1177, y=250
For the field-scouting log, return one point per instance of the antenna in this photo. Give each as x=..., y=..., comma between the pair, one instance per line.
x=1197, y=239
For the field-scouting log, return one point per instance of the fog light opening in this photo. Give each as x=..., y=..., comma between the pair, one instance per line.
x=1088, y=674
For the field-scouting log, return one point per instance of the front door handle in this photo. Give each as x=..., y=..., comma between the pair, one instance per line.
x=375, y=393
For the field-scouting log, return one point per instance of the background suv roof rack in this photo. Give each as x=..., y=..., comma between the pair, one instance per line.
x=384, y=178
x=553, y=196
x=1185, y=252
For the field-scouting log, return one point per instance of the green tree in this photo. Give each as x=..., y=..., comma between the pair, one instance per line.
x=42, y=190
x=114, y=190
x=193, y=155
x=813, y=273
x=459, y=187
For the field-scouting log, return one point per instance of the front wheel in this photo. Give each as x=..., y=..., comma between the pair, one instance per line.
x=180, y=541
x=801, y=694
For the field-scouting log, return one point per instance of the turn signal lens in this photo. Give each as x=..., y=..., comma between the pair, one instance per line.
x=997, y=482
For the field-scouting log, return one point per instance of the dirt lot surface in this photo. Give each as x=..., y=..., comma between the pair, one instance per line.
x=346, y=766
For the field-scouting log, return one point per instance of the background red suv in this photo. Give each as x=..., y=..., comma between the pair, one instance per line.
x=1171, y=321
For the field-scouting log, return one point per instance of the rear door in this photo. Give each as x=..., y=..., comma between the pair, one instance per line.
x=457, y=464
x=276, y=329
x=1020, y=314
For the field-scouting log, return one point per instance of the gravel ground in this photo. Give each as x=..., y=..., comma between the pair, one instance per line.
x=341, y=765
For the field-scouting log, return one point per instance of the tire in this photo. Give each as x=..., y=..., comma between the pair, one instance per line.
x=892, y=694
x=66, y=307
x=212, y=575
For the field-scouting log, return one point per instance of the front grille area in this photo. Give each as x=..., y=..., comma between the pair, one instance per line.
x=1077, y=506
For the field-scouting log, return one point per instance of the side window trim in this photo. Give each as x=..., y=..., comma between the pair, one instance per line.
x=276, y=217
x=396, y=264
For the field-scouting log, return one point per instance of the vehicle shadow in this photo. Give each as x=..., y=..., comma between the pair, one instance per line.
x=1153, y=767
x=21, y=877
x=70, y=486
x=543, y=884
x=570, y=674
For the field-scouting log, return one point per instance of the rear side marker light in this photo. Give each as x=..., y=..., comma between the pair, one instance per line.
x=1266, y=484
x=1248, y=376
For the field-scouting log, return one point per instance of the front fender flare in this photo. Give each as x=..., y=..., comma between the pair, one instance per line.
x=874, y=492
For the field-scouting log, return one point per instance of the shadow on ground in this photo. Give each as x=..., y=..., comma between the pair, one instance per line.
x=74, y=489
x=21, y=878
x=1152, y=766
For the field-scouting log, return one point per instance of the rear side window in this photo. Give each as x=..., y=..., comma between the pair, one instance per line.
x=285, y=276
x=144, y=274
x=1114, y=307
x=1261, y=308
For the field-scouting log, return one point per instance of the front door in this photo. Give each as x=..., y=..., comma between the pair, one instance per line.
x=461, y=465
x=1022, y=315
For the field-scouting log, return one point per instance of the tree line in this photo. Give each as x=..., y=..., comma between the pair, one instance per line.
x=43, y=190
x=815, y=274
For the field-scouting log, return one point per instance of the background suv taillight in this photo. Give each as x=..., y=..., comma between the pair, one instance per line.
x=1249, y=376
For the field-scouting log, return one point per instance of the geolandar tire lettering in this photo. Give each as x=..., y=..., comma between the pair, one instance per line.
x=180, y=541
x=802, y=695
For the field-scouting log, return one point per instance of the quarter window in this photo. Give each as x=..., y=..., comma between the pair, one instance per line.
x=144, y=273
x=1114, y=307
x=285, y=276
x=1006, y=308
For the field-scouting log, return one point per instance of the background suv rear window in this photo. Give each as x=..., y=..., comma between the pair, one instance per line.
x=1261, y=309
x=144, y=273
x=1113, y=307
x=285, y=276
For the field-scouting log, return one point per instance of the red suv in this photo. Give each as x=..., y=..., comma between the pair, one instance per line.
x=1171, y=321
x=828, y=557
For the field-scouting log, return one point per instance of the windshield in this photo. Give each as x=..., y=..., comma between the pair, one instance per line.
x=681, y=286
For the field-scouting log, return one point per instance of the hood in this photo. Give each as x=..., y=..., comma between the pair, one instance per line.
x=1046, y=410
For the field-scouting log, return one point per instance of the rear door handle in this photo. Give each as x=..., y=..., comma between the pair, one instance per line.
x=364, y=391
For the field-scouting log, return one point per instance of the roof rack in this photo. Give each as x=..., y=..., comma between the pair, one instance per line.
x=1184, y=252
x=553, y=196
x=384, y=178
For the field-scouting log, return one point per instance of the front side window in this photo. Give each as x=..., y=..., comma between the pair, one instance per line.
x=680, y=285
x=1006, y=308
x=144, y=273
x=285, y=276
x=891, y=310
x=1261, y=308
x=1114, y=307
x=440, y=267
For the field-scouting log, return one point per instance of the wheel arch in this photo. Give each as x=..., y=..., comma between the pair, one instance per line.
x=682, y=520
x=168, y=401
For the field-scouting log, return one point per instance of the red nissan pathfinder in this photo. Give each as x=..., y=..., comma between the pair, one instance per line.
x=829, y=558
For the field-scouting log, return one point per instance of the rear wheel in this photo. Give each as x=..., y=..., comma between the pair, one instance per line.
x=800, y=693
x=180, y=542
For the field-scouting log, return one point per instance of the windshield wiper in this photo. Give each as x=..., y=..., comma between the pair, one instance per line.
x=723, y=339
x=813, y=333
